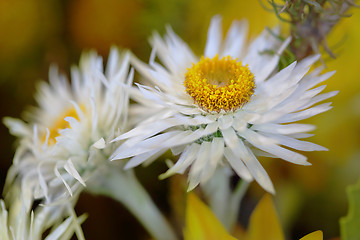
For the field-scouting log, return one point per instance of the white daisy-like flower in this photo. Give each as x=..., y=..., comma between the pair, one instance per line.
x=64, y=144
x=225, y=108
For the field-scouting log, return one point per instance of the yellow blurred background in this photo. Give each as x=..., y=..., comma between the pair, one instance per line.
x=36, y=33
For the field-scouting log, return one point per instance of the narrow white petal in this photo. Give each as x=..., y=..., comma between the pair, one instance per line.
x=282, y=128
x=200, y=163
x=320, y=98
x=99, y=144
x=42, y=181
x=138, y=159
x=70, y=168
x=293, y=117
x=279, y=78
x=225, y=121
x=57, y=173
x=60, y=230
x=150, y=144
x=16, y=126
x=296, y=144
x=264, y=103
x=150, y=94
x=235, y=39
x=268, y=145
x=176, y=150
x=191, y=136
x=301, y=135
x=154, y=157
x=306, y=63
x=238, y=166
x=298, y=100
x=185, y=160
x=238, y=148
x=310, y=81
x=216, y=154
x=264, y=64
x=152, y=128
x=239, y=125
x=214, y=37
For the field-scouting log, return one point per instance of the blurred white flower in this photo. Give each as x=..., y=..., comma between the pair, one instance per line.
x=45, y=222
x=64, y=142
x=225, y=108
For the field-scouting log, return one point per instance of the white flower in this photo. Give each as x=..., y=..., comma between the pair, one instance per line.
x=225, y=108
x=45, y=222
x=65, y=141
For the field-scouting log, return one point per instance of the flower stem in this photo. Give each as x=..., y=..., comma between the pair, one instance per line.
x=124, y=187
x=223, y=202
x=235, y=202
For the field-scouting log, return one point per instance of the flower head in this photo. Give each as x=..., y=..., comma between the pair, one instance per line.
x=225, y=108
x=64, y=142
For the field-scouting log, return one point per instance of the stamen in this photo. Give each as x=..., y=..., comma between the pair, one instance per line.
x=60, y=124
x=219, y=84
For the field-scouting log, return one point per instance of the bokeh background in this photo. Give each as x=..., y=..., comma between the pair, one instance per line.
x=36, y=33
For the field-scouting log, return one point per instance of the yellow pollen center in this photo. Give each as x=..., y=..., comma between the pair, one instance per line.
x=60, y=124
x=219, y=84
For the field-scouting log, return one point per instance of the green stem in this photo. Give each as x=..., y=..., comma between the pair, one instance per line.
x=235, y=202
x=224, y=203
x=124, y=187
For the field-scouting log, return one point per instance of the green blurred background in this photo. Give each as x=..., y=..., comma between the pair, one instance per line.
x=37, y=33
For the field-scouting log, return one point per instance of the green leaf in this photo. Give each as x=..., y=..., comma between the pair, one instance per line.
x=349, y=225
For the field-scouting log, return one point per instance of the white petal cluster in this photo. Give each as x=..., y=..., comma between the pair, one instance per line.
x=169, y=119
x=93, y=108
x=45, y=222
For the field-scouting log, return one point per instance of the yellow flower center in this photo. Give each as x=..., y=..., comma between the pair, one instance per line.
x=219, y=84
x=60, y=124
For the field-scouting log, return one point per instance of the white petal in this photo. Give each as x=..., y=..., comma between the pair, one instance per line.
x=138, y=159
x=235, y=39
x=310, y=81
x=307, y=62
x=42, y=181
x=70, y=168
x=200, y=164
x=279, y=78
x=267, y=145
x=152, y=128
x=296, y=144
x=319, y=98
x=301, y=135
x=238, y=148
x=16, y=126
x=238, y=166
x=214, y=37
x=293, y=117
x=216, y=154
x=283, y=129
x=99, y=144
x=57, y=173
x=176, y=150
x=225, y=121
x=262, y=65
x=185, y=160
x=193, y=136
x=60, y=230
x=150, y=144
